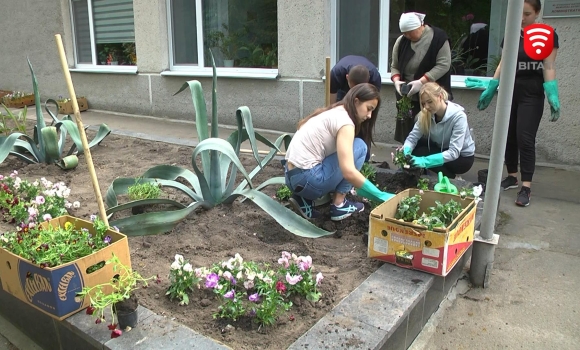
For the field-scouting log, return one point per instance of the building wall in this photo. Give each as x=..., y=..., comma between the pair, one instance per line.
x=304, y=42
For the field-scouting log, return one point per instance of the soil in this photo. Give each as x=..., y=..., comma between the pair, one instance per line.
x=211, y=236
x=127, y=305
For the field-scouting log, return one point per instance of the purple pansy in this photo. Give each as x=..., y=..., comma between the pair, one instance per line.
x=230, y=295
x=211, y=280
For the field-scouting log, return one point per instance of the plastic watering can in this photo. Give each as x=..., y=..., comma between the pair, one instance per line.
x=444, y=186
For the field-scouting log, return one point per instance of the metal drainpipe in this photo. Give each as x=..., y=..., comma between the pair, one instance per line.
x=484, y=244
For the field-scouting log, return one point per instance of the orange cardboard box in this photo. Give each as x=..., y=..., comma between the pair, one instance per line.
x=415, y=247
x=53, y=290
x=67, y=107
x=19, y=102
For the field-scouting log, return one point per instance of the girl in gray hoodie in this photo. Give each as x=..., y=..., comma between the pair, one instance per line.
x=440, y=140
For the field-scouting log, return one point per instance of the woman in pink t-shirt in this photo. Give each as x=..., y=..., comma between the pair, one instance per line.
x=324, y=156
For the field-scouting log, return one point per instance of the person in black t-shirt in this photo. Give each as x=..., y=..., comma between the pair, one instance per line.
x=533, y=78
x=350, y=71
x=347, y=73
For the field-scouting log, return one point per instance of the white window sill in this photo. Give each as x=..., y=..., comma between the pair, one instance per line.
x=106, y=69
x=226, y=73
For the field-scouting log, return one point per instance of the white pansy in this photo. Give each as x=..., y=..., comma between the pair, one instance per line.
x=175, y=265
x=239, y=258
x=187, y=267
x=178, y=257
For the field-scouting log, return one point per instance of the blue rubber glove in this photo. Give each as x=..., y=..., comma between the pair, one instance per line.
x=473, y=83
x=429, y=161
x=407, y=150
x=551, y=88
x=487, y=94
x=370, y=191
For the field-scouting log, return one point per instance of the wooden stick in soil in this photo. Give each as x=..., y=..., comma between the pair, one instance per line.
x=79, y=121
x=327, y=83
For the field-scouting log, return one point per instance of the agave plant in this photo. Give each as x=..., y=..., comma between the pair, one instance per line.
x=47, y=143
x=214, y=182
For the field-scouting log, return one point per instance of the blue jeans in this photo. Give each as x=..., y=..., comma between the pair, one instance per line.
x=325, y=177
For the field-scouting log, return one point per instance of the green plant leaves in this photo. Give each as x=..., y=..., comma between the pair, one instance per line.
x=48, y=142
x=214, y=182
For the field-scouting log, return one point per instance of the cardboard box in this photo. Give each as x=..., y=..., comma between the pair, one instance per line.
x=54, y=290
x=67, y=107
x=413, y=246
x=18, y=102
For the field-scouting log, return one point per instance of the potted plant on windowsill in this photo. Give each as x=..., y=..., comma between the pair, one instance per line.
x=228, y=42
x=118, y=296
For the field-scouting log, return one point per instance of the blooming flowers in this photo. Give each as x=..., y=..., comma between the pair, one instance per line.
x=26, y=203
x=230, y=295
x=319, y=278
x=292, y=280
x=250, y=289
x=280, y=287
x=51, y=245
x=183, y=278
x=211, y=280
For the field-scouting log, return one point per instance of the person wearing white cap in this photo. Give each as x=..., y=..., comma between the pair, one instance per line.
x=421, y=54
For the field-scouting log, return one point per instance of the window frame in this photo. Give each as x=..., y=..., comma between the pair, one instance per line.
x=200, y=70
x=94, y=67
x=457, y=81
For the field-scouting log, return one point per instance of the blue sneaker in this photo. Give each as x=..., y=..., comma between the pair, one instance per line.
x=347, y=209
x=304, y=206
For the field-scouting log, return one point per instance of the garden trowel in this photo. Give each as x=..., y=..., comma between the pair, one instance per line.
x=444, y=186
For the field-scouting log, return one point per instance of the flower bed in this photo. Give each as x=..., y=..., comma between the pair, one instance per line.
x=216, y=235
x=249, y=290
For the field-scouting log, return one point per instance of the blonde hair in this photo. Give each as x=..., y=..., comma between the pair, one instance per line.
x=431, y=91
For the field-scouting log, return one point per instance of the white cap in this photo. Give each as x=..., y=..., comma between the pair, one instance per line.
x=410, y=21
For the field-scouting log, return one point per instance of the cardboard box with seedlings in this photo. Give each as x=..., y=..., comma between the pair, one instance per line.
x=54, y=290
x=65, y=106
x=413, y=246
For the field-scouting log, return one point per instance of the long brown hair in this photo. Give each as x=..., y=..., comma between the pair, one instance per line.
x=363, y=92
x=433, y=91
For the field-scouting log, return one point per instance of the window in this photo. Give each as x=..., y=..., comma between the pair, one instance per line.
x=104, y=32
x=370, y=28
x=240, y=34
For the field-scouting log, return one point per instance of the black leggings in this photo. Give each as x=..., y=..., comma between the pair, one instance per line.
x=460, y=165
x=525, y=117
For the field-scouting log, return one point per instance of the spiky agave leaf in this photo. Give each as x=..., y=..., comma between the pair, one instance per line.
x=284, y=216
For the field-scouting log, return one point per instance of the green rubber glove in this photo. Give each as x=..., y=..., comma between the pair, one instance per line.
x=551, y=88
x=407, y=150
x=370, y=191
x=487, y=94
x=429, y=161
x=473, y=83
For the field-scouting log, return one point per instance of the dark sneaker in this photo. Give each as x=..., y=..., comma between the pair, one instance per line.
x=347, y=209
x=523, y=199
x=304, y=206
x=509, y=182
